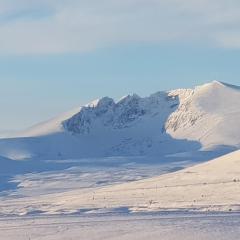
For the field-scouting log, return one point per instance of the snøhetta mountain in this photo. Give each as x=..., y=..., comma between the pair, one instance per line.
x=205, y=118
x=110, y=156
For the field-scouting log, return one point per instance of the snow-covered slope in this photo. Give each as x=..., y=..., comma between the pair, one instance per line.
x=183, y=120
x=210, y=116
x=213, y=186
x=210, y=186
x=48, y=127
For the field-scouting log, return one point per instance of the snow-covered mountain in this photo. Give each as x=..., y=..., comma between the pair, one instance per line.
x=165, y=123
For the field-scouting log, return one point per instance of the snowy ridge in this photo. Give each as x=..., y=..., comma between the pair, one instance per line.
x=205, y=108
x=204, y=118
x=106, y=113
x=48, y=127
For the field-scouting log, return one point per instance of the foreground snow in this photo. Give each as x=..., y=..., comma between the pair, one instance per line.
x=124, y=227
x=211, y=186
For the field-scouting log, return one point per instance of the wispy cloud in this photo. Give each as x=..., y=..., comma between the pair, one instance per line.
x=61, y=26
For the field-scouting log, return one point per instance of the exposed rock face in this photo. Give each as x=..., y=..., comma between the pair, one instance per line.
x=122, y=114
x=186, y=114
x=175, y=107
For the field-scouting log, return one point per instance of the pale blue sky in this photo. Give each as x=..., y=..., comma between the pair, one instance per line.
x=56, y=55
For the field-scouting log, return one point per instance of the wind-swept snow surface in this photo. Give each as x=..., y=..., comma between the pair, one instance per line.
x=124, y=227
x=211, y=186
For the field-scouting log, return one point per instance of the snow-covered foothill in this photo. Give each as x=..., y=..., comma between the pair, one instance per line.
x=210, y=186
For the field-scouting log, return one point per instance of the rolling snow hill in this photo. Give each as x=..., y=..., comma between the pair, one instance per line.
x=205, y=118
x=210, y=186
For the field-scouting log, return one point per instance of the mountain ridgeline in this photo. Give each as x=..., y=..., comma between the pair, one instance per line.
x=205, y=118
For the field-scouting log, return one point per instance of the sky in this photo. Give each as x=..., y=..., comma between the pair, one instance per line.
x=56, y=55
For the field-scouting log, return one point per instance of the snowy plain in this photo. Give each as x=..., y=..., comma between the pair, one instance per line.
x=174, y=226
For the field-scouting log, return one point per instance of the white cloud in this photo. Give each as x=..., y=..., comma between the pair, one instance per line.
x=84, y=25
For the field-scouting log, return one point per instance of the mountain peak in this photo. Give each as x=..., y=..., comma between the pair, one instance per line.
x=217, y=84
x=128, y=98
x=209, y=85
x=100, y=102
